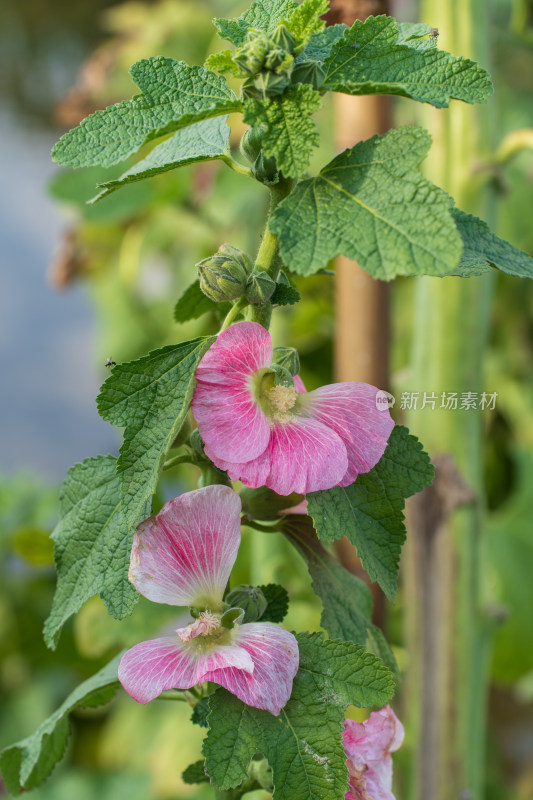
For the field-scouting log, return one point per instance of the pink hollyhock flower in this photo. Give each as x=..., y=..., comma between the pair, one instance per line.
x=368, y=747
x=282, y=436
x=183, y=556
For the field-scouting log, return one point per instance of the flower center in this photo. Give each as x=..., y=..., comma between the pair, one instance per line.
x=283, y=398
x=206, y=624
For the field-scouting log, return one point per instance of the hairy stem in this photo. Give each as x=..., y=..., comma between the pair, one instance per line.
x=267, y=256
x=233, y=312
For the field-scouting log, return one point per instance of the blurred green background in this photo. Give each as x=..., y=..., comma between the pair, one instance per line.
x=80, y=283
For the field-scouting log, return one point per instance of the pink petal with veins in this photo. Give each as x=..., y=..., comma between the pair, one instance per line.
x=350, y=410
x=275, y=656
x=168, y=663
x=184, y=555
x=231, y=423
x=302, y=456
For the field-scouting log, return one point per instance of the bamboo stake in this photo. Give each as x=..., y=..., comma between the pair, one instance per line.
x=361, y=303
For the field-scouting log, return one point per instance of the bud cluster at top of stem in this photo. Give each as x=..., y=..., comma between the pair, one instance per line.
x=223, y=276
x=267, y=61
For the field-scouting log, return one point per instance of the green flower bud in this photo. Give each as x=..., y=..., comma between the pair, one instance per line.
x=251, y=56
x=250, y=598
x=310, y=72
x=287, y=357
x=251, y=142
x=259, y=288
x=265, y=170
x=223, y=276
x=235, y=253
x=283, y=39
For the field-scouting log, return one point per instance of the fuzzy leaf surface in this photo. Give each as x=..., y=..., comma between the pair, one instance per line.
x=150, y=398
x=305, y=19
x=370, y=511
x=290, y=134
x=285, y=295
x=29, y=762
x=320, y=45
x=372, y=205
x=203, y=141
x=92, y=545
x=484, y=250
x=370, y=60
x=263, y=15
x=174, y=95
x=303, y=745
x=346, y=600
x=195, y=773
x=278, y=602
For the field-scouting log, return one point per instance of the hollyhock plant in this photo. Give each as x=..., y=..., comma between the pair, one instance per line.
x=368, y=747
x=183, y=556
x=281, y=436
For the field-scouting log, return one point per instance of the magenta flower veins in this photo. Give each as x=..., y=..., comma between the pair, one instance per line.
x=183, y=557
x=282, y=436
x=368, y=747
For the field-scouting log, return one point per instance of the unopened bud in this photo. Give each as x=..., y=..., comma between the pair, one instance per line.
x=251, y=56
x=259, y=288
x=223, y=277
x=232, y=617
x=250, y=598
x=310, y=72
x=284, y=39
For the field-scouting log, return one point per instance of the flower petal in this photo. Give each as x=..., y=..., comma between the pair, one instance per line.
x=184, y=555
x=350, y=410
x=167, y=663
x=368, y=748
x=275, y=656
x=231, y=423
x=302, y=456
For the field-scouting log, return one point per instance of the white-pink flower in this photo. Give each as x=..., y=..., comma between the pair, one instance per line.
x=282, y=436
x=368, y=747
x=183, y=556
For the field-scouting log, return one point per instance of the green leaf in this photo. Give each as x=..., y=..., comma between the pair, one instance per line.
x=370, y=511
x=320, y=44
x=28, y=763
x=195, y=773
x=305, y=19
x=346, y=600
x=222, y=63
x=203, y=141
x=370, y=60
x=278, y=603
x=150, y=397
x=193, y=303
x=290, y=133
x=285, y=295
x=303, y=745
x=174, y=95
x=92, y=545
x=416, y=34
x=200, y=713
x=371, y=204
x=263, y=15
x=484, y=250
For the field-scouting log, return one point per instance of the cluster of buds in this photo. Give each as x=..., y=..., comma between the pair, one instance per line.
x=267, y=61
x=228, y=275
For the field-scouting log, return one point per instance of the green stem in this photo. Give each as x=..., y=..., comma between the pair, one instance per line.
x=267, y=256
x=446, y=631
x=233, y=312
x=236, y=167
x=258, y=526
x=187, y=458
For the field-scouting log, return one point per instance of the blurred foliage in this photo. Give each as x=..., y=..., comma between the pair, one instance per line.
x=135, y=253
